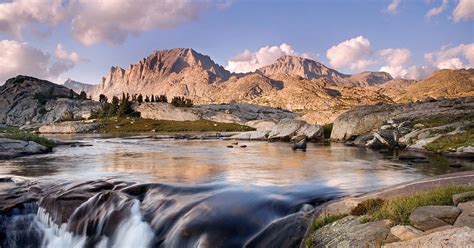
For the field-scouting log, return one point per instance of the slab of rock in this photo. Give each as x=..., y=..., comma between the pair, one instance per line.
x=285, y=129
x=251, y=135
x=405, y=232
x=455, y=237
x=429, y=217
x=10, y=148
x=349, y=232
x=69, y=127
x=458, y=198
x=466, y=218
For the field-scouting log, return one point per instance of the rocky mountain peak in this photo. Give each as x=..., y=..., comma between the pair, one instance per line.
x=303, y=67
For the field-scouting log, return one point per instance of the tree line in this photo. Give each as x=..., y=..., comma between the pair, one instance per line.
x=123, y=107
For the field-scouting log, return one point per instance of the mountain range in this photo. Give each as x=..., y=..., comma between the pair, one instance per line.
x=299, y=84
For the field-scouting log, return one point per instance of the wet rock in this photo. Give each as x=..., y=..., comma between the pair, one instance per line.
x=230, y=146
x=10, y=148
x=284, y=232
x=349, y=232
x=243, y=146
x=411, y=157
x=429, y=217
x=299, y=143
x=466, y=218
x=405, y=232
x=459, y=198
x=455, y=237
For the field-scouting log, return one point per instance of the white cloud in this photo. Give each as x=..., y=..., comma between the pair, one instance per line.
x=464, y=11
x=395, y=60
x=21, y=58
x=437, y=10
x=461, y=56
x=393, y=6
x=419, y=72
x=64, y=55
x=19, y=14
x=354, y=54
x=112, y=21
x=248, y=61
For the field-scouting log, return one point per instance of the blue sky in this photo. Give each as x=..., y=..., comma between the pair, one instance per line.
x=365, y=34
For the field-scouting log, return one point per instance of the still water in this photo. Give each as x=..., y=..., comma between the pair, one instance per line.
x=194, y=192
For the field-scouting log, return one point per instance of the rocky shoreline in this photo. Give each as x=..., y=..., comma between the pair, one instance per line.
x=451, y=225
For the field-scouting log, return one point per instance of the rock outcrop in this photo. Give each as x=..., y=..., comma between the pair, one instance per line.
x=454, y=237
x=244, y=114
x=285, y=130
x=363, y=120
x=68, y=127
x=28, y=100
x=10, y=148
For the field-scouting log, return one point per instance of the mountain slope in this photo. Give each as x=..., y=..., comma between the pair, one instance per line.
x=78, y=86
x=442, y=83
x=26, y=99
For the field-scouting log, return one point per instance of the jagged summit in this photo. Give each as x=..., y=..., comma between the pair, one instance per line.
x=303, y=67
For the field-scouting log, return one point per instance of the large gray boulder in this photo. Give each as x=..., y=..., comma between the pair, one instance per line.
x=430, y=217
x=69, y=127
x=10, y=148
x=285, y=129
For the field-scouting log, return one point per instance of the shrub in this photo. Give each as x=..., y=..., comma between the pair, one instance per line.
x=26, y=136
x=366, y=206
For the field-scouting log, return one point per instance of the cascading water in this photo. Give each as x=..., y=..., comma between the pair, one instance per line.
x=112, y=214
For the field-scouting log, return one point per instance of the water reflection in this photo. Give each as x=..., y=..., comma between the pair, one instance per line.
x=260, y=163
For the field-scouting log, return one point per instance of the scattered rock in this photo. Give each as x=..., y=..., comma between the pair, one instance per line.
x=459, y=198
x=235, y=143
x=229, y=146
x=298, y=142
x=429, y=217
x=455, y=237
x=466, y=218
x=10, y=148
x=405, y=232
x=243, y=146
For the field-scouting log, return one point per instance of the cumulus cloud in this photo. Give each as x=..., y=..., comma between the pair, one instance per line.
x=112, y=21
x=395, y=60
x=21, y=58
x=457, y=57
x=248, y=61
x=19, y=14
x=419, y=72
x=393, y=6
x=354, y=54
x=464, y=11
x=100, y=21
x=437, y=10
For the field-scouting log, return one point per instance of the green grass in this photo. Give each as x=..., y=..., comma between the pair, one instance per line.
x=399, y=209
x=26, y=136
x=324, y=220
x=449, y=142
x=327, y=130
x=443, y=120
x=146, y=125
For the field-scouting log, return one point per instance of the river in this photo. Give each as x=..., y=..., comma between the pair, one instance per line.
x=198, y=192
